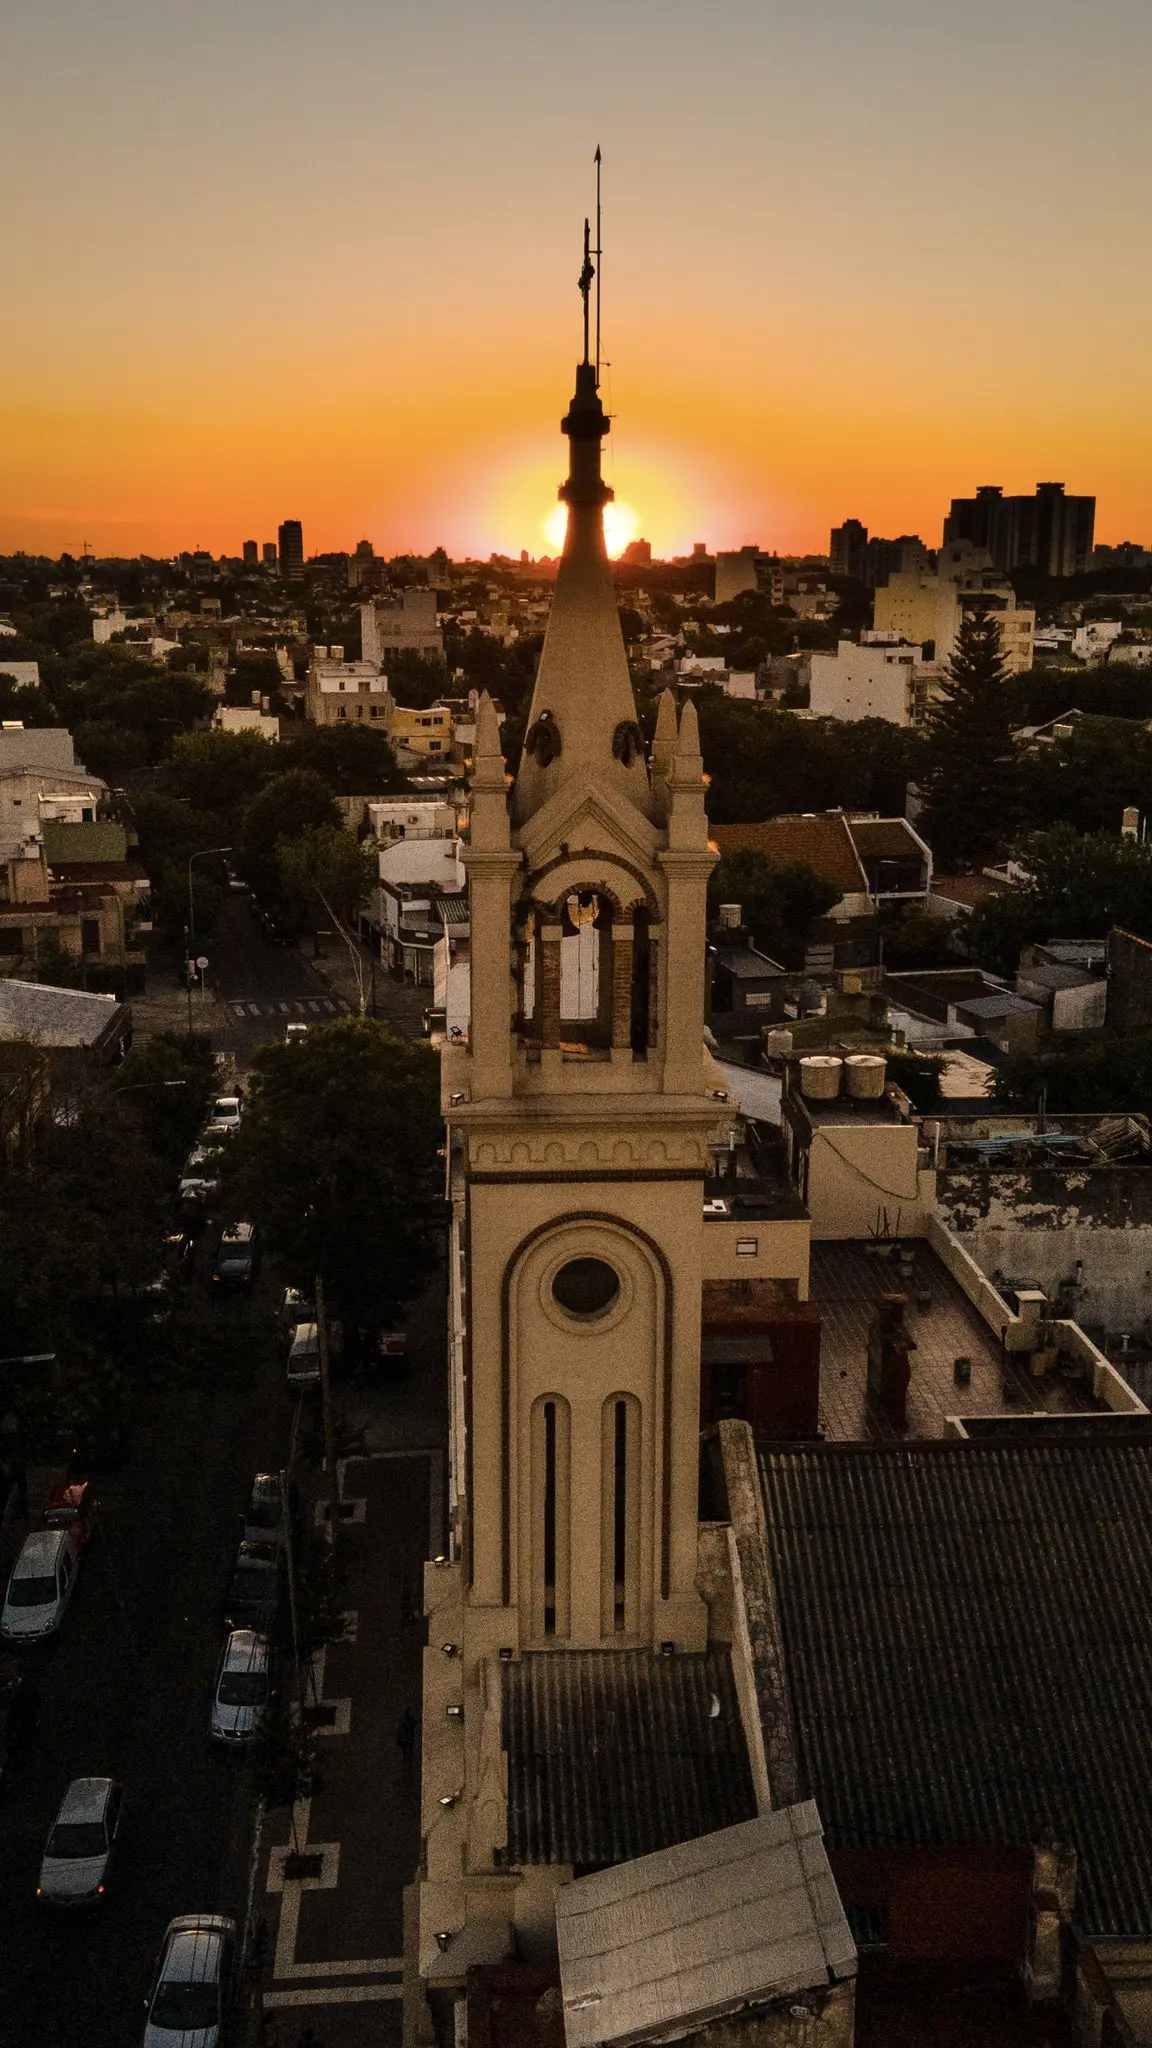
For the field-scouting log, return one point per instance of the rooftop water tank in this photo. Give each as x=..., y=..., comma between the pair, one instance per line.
x=820, y=1076
x=864, y=1076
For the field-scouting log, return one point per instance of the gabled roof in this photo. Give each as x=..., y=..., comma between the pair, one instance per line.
x=967, y=1633
x=823, y=844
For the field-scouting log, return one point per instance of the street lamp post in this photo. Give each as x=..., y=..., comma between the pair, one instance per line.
x=202, y=853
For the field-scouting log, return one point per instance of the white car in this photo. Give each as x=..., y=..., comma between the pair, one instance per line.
x=227, y=1109
x=191, y=1990
x=200, y=1177
x=243, y=1691
x=40, y=1586
x=74, y=1869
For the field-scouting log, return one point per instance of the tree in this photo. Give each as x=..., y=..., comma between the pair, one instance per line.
x=780, y=903
x=353, y=760
x=1087, y=779
x=971, y=771
x=166, y=1081
x=1100, y=1077
x=325, y=873
x=764, y=762
x=1078, y=888
x=221, y=772
x=336, y=1160
x=287, y=806
x=917, y=937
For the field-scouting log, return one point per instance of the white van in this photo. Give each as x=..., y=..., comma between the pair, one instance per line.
x=304, y=1356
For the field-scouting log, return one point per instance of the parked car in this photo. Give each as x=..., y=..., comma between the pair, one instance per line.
x=255, y=1586
x=72, y=1505
x=267, y=1512
x=238, y=1257
x=40, y=1586
x=295, y=1033
x=296, y=1307
x=74, y=1867
x=193, y=1983
x=242, y=1693
x=19, y=1715
x=304, y=1356
x=199, y=1178
x=228, y=1109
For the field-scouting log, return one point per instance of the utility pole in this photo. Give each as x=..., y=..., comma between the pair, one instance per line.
x=188, y=974
x=326, y=1401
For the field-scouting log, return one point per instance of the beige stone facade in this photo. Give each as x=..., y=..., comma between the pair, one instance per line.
x=584, y=1117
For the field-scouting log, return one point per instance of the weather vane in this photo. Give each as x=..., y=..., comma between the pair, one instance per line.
x=591, y=272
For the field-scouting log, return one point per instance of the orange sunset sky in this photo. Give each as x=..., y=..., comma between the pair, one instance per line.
x=318, y=259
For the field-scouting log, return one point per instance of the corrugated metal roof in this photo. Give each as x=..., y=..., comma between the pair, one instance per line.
x=654, y=1948
x=616, y=1753
x=968, y=1635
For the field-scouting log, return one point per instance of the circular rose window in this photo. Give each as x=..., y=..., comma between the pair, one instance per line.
x=586, y=1287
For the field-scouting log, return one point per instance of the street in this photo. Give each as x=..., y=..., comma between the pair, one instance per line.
x=126, y=1684
x=125, y=1693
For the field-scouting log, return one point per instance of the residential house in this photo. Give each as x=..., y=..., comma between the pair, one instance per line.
x=347, y=693
x=421, y=734
x=873, y=861
x=409, y=627
x=891, y=681
x=413, y=876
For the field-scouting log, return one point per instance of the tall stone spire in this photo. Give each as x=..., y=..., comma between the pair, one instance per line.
x=582, y=724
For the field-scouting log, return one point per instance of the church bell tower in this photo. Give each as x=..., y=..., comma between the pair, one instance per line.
x=582, y=1113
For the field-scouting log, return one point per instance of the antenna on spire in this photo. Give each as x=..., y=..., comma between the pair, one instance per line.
x=586, y=276
x=599, y=266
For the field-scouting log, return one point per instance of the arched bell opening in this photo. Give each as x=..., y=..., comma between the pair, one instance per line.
x=586, y=968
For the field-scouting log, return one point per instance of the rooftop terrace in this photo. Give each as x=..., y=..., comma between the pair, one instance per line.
x=846, y=1282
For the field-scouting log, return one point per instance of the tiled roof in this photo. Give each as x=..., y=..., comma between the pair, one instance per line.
x=616, y=1753
x=968, y=1638
x=823, y=844
x=967, y=889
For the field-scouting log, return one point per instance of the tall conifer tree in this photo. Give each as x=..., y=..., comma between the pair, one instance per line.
x=971, y=776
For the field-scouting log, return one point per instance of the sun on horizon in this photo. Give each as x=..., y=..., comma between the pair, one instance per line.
x=621, y=525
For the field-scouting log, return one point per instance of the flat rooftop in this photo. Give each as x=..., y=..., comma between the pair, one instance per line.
x=847, y=1281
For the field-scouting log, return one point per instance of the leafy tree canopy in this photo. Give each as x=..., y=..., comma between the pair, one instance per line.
x=1088, y=779
x=220, y=772
x=290, y=804
x=353, y=760
x=324, y=874
x=1102, y=1076
x=1079, y=888
x=334, y=1160
x=765, y=762
x=780, y=904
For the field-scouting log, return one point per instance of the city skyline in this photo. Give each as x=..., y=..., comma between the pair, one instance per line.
x=272, y=263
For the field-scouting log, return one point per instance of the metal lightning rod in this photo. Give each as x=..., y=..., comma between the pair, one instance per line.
x=599, y=260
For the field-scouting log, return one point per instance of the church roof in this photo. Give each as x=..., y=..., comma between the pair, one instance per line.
x=616, y=1753
x=967, y=1633
x=582, y=722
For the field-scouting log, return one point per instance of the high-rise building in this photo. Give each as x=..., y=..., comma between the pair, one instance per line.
x=1049, y=531
x=251, y=554
x=846, y=549
x=291, y=550
x=269, y=553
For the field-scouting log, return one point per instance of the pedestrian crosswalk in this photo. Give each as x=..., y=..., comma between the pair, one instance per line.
x=289, y=1006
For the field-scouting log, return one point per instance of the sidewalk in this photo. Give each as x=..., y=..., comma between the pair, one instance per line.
x=335, y=1937
x=334, y=1955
